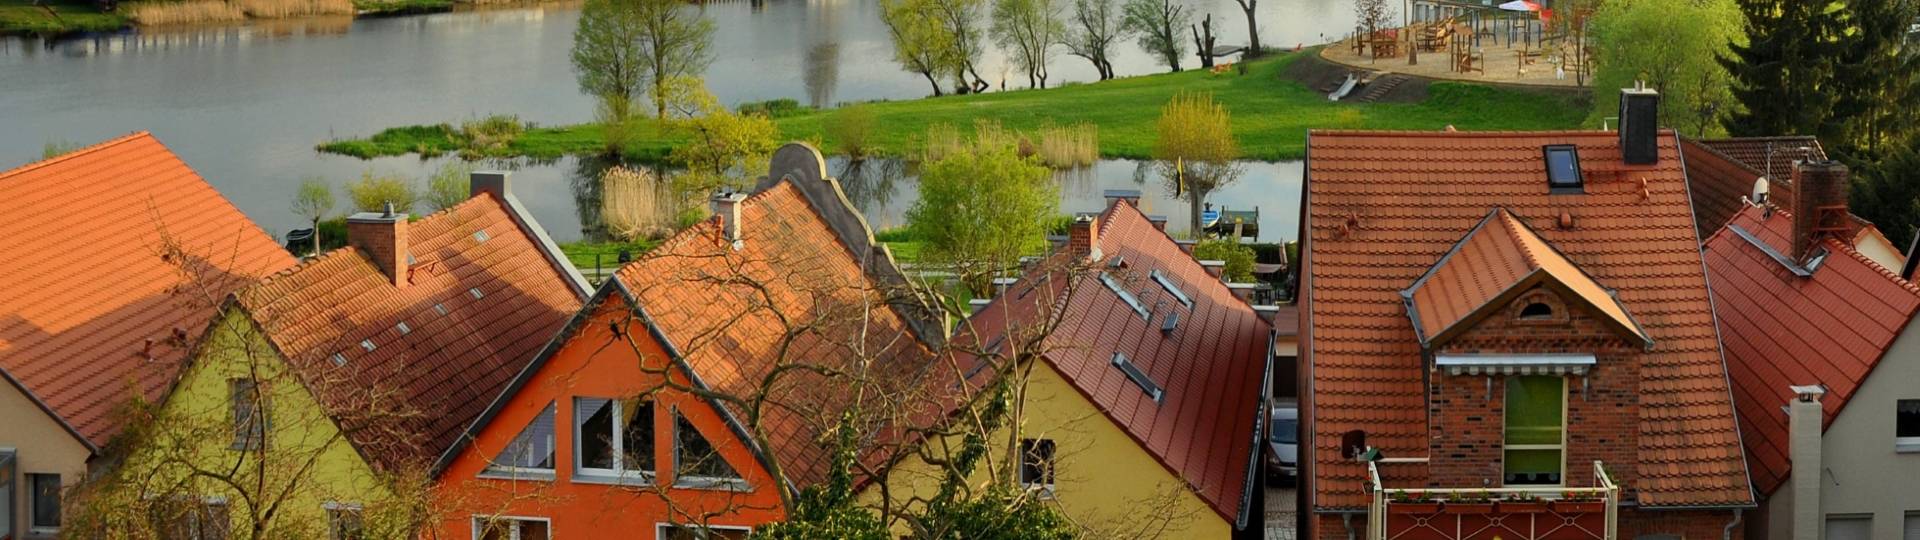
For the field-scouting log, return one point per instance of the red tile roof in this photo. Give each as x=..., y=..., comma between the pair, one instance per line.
x=793, y=293
x=459, y=349
x=1781, y=329
x=1718, y=182
x=1210, y=371
x=1769, y=155
x=1500, y=257
x=87, y=284
x=1382, y=207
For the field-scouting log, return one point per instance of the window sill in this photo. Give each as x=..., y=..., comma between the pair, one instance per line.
x=639, y=479
x=544, y=476
x=1906, y=445
x=708, y=482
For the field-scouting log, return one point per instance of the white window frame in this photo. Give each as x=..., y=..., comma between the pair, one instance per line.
x=33, y=501
x=1903, y=445
x=619, y=473
x=496, y=471
x=475, y=524
x=331, y=507
x=1566, y=394
x=660, y=528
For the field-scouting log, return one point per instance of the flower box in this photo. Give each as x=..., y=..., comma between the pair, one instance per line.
x=1413, y=507
x=1469, y=508
x=1579, y=507
x=1522, y=507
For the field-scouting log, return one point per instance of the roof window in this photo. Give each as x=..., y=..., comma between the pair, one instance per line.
x=339, y=360
x=440, y=308
x=1563, y=169
x=367, y=344
x=476, y=293
x=1172, y=289
x=1124, y=295
x=403, y=328
x=1133, y=372
x=480, y=235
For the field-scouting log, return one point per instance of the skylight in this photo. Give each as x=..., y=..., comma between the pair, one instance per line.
x=367, y=344
x=339, y=360
x=476, y=293
x=1140, y=378
x=1172, y=289
x=480, y=235
x=440, y=308
x=1563, y=168
x=403, y=328
x=1124, y=295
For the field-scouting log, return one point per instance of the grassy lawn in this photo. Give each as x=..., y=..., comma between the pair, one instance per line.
x=582, y=253
x=1271, y=116
x=22, y=17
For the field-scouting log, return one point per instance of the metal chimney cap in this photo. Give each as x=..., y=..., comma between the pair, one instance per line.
x=1810, y=392
x=389, y=211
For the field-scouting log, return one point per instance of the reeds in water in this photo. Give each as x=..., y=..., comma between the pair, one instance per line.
x=275, y=9
x=1069, y=147
x=1059, y=147
x=206, y=11
x=636, y=204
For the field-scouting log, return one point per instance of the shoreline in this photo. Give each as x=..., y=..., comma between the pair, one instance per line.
x=62, y=20
x=1272, y=111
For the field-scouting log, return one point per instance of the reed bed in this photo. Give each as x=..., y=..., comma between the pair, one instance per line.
x=634, y=204
x=187, y=12
x=1069, y=147
x=1059, y=147
x=276, y=9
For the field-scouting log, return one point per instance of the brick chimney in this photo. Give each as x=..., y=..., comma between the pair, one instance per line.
x=1132, y=196
x=489, y=182
x=1803, y=453
x=1639, y=125
x=383, y=236
x=1083, y=238
x=726, y=204
x=1819, y=205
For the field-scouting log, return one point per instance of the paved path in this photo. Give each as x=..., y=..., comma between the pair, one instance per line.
x=1280, y=513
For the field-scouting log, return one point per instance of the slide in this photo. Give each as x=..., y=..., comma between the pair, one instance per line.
x=1345, y=88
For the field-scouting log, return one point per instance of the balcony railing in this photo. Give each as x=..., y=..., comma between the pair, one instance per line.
x=1508, y=513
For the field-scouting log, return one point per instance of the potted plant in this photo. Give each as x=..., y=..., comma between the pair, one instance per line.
x=1412, y=503
x=1480, y=502
x=1520, y=503
x=1578, y=502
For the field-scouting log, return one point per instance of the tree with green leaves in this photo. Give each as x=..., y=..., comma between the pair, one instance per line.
x=921, y=43
x=1239, y=257
x=1097, y=25
x=1673, y=47
x=1028, y=30
x=373, y=192
x=607, y=54
x=676, y=40
x=313, y=200
x=1875, y=93
x=726, y=148
x=1158, y=23
x=960, y=20
x=450, y=185
x=982, y=206
x=1781, y=74
x=1196, y=150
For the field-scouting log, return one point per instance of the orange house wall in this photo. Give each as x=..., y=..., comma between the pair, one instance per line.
x=596, y=363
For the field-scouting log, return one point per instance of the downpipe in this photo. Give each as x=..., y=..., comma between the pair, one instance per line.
x=1727, y=533
x=1347, y=520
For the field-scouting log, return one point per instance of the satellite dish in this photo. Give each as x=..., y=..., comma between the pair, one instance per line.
x=1760, y=188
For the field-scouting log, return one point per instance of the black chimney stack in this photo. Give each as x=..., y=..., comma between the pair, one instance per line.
x=1639, y=125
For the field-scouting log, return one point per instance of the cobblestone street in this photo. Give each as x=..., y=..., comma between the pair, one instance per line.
x=1280, y=513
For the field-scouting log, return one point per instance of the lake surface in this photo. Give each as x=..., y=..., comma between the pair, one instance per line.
x=245, y=105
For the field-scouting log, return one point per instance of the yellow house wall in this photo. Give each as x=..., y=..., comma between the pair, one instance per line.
x=1103, y=479
x=41, y=446
x=198, y=429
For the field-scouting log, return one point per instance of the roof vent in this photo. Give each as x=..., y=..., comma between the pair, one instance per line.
x=1171, y=322
x=339, y=360
x=367, y=344
x=476, y=293
x=403, y=328
x=1138, y=377
x=480, y=235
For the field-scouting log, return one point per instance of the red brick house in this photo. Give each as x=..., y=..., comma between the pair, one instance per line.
x=637, y=420
x=1512, y=317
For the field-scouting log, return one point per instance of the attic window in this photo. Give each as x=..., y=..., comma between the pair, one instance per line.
x=1172, y=289
x=367, y=344
x=480, y=235
x=1124, y=295
x=476, y=293
x=403, y=328
x=339, y=360
x=1563, y=169
x=1537, y=311
x=1133, y=372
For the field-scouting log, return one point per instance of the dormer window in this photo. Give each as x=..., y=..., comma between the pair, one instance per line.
x=1563, y=169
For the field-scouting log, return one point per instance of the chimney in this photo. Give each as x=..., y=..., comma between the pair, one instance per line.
x=1803, y=453
x=726, y=204
x=489, y=182
x=1083, y=238
x=383, y=235
x=1159, y=222
x=1819, y=205
x=1132, y=196
x=1639, y=125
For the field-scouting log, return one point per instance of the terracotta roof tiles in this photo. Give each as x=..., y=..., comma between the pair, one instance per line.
x=1382, y=207
x=88, y=284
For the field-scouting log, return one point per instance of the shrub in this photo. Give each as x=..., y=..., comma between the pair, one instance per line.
x=773, y=108
x=372, y=193
x=490, y=134
x=1239, y=257
x=851, y=129
x=450, y=185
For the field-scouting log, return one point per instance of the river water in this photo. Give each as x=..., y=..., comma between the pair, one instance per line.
x=244, y=105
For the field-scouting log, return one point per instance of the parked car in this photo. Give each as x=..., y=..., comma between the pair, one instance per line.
x=1283, y=443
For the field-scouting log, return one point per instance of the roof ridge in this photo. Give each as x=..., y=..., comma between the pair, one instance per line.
x=89, y=149
x=1514, y=231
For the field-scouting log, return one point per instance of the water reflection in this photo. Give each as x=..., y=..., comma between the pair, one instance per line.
x=822, y=73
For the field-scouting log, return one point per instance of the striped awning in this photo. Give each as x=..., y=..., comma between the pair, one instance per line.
x=1514, y=364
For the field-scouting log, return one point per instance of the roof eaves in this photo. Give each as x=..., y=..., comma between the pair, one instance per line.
x=35, y=398
x=1406, y=295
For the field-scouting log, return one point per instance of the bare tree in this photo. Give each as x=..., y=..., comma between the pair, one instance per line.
x=1253, y=27
x=1158, y=24
x=961, y=19
x=1029, y=29
x=1097, y=25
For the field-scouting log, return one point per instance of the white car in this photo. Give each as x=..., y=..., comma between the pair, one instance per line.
x=1283, y=442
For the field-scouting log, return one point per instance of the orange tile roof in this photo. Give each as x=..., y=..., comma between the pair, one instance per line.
x=793, y=293
x=88, y=285
x=459, y=348
x=1718, y=182
x=1211, y=369
x=1830, y=328
x=1769, y=155
x=1382, y=207
x=1498, y=258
